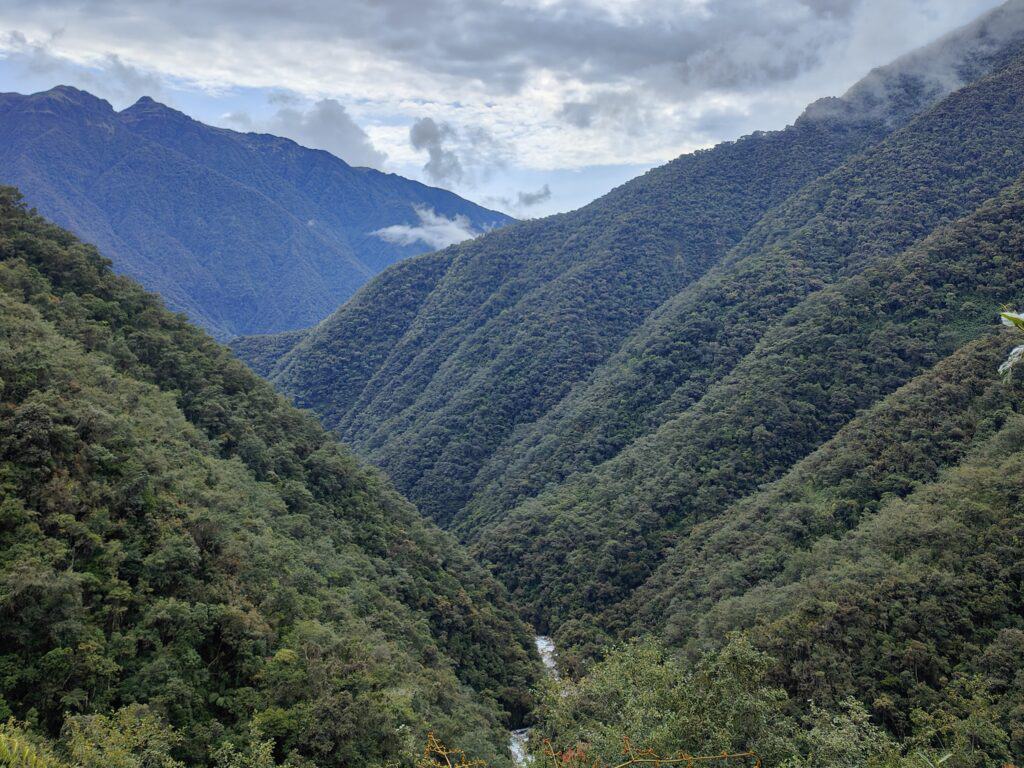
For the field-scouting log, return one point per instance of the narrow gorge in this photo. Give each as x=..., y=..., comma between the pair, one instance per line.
x=519, y=738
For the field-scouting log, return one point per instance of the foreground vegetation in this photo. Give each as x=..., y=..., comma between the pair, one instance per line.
x=195, y=574
x=188, y=564
x=728, y=703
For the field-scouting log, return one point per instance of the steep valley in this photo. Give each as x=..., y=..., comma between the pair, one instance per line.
x=690, y=428
x=725, y=467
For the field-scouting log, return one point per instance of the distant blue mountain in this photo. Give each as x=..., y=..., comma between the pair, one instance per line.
x=245, y=233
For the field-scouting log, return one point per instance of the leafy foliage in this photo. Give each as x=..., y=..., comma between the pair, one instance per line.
x=174, y=534
x=723, y=703
x=17, y=750
x=130, y=738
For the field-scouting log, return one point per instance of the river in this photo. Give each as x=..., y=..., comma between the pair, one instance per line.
x=518, y=739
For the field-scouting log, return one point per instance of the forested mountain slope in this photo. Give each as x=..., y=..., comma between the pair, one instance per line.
x=749, y=410
x=886, y=565
x=246, y=233
x=887, y=452
x=486, y=336
x=880, y=580
x=172, y=533
x=598, y=439
x=867, y=209
x=480, y=375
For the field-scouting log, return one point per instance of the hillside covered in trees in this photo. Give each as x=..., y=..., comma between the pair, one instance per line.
x=189, y=564
x=482, y=374
x=244, y=232
x=754, y=390
x=739, y=436
x=864, y=609
x=195, y=574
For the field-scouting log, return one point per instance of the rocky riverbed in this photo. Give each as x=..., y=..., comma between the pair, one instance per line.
x=518, y=739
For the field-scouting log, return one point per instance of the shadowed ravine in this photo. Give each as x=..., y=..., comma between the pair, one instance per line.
x=518, y=739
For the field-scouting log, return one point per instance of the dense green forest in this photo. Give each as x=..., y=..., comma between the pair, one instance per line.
x=831, y=355
x=193, y=573
x=737, y=435
x=480, y=375
x=573, y=395
x=244, y=232
x=180, y=549
x=877, y=587
x=742, y=414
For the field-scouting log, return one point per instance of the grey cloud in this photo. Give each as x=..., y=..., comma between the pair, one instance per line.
x=938, y=68
x=443, y=165
x=578, y=113
x=672, y=47
x=609, y=109
x=516, y=205
x=724, y=43
x=434, y=229
x=327, y=125
x=457, y=156
x=529, y=199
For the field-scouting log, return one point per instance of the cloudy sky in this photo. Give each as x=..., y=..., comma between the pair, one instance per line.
x=530, y=106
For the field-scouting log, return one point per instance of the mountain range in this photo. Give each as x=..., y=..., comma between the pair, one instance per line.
x=680, y=406
x=738, y=436
x=243, y=232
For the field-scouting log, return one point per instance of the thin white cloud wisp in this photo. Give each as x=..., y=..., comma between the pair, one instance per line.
x=434, y=229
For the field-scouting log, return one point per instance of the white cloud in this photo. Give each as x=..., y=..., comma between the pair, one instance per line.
x=108, y=75
x=434, y=229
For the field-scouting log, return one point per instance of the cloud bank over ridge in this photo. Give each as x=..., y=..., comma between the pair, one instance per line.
x=463, y=92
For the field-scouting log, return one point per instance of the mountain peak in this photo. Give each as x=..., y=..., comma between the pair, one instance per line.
x=65, y=96
x=71, y=93
x=147, y=106
x=219, y=222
